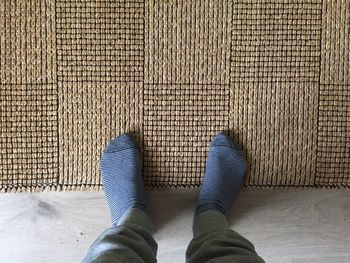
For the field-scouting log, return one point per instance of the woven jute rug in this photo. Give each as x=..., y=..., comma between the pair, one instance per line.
x=274, y=74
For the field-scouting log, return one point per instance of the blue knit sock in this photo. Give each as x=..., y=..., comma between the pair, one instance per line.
x=224, y=176
x=122, y=177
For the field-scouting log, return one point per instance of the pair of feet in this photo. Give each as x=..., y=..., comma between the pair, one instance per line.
x=121, y=173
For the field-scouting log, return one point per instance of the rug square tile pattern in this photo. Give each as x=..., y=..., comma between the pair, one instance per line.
x=28, y=47
x=273, y=74
x=29, y=136
x=335, y=43
x=276, y=123
x=179, y=122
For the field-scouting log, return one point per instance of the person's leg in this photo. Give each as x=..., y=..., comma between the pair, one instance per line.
x=130, y=237
x=131, y=241
x=213, y=240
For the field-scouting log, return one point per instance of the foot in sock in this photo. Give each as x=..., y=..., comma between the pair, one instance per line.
x=224, y=176
x=121, y=176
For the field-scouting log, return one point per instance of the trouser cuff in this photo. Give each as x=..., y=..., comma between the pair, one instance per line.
x=209, y=221
x=135, y=217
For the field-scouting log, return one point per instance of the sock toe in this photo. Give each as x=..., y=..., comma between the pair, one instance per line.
x=122, y=142
x=222, y=139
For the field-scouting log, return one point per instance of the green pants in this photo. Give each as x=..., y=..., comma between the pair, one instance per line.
x=132, y=241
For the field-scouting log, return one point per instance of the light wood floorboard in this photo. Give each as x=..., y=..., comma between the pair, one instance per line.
x=285, y=226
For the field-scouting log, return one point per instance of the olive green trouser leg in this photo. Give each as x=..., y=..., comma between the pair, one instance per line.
x=214, y=241
x=131, y=241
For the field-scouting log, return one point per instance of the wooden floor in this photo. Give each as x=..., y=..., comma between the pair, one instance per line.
x=285, y=226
